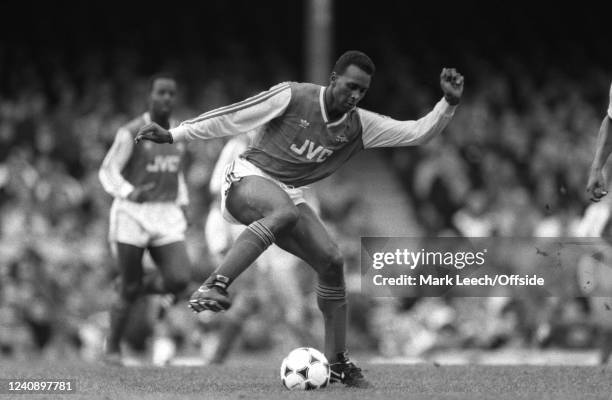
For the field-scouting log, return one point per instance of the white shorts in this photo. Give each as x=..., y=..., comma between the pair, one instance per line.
x=146, y=224
x=238, y=169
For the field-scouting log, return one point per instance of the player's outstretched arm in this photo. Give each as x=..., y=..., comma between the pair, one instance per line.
x=380, y=131
x=234, y=119
x=597, y=185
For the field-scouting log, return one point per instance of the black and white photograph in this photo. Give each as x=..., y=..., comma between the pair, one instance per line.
x=230, y=199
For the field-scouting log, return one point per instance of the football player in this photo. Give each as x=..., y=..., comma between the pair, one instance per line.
x=305, y=132
x=148, y=211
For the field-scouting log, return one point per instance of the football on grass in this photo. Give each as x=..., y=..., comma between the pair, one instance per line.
x=305, y=368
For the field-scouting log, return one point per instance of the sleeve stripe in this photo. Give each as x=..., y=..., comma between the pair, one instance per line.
x=238, y=106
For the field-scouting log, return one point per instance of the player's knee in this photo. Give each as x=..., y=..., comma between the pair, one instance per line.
x=177, y=285
x=286, y=217
x=130, y=291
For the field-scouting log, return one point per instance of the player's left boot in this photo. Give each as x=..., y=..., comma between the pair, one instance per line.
x=212, y=295
x=114, y=359
x=344, y=371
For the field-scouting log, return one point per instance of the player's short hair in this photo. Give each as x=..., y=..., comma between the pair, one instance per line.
x=160, y=75
x=356, y=58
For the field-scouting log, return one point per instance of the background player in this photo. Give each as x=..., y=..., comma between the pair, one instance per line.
x=596, y=223
x=597, y=185
x=148, y=212
x=306, y=132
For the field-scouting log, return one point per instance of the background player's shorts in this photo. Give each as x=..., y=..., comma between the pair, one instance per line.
x=146, y=224
x=240, y=168
x=219, y=233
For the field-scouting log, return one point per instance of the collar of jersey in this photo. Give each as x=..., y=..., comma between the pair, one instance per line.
x=147, y=119
x=324, y=111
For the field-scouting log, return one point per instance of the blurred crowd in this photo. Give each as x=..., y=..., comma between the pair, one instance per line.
x=513, y=162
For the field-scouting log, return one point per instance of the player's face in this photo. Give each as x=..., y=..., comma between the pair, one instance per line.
x=163, y=96
x=349, y=88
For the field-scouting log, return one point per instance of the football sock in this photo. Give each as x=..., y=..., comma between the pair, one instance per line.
x=332, y=303
x=119, y=315
x=256, y=238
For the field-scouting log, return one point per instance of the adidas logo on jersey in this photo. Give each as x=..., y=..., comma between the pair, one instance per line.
x=341, y=139
x=304, y=124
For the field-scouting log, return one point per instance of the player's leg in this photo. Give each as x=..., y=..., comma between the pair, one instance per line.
x=174, y=266
x=129, y=261
x=267, y=210
x=153, y=282
x=310, y=240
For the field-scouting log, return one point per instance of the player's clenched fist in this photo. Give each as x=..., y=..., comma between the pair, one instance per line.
x=154, y=133
x=596, y=185
x=140, y=194
x=451, y=83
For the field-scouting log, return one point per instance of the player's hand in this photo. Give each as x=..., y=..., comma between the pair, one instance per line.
x=597, y=185
x=451, y=83
x=154, y=133
x=140, y=193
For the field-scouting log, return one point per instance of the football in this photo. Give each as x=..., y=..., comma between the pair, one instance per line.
x=305, y=369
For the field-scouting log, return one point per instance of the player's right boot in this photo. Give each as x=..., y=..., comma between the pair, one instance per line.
x=344, y=371
x=212, y=295
x=112, y=355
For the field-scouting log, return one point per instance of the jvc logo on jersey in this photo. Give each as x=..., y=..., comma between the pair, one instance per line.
x=164, y=164
x=308, y=147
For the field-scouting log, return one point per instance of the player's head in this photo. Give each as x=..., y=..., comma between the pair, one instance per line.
x=162, y=94
x=350, y=79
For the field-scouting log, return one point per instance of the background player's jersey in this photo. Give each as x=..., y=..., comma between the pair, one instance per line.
x=127, y=166
x=296, y=143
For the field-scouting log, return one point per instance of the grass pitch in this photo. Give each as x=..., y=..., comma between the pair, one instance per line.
x=259, y=379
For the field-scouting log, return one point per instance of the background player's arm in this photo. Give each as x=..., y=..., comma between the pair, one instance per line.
x=595, y=219
x=182, y=197
x=116, y=158
x=381, y=131
x=597, y=185
x=234, y=119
